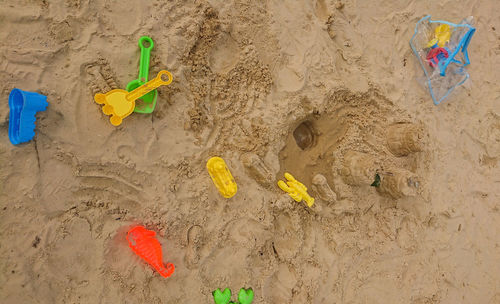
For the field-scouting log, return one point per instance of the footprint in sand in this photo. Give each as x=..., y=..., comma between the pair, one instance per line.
x=228, y=260
x=278, y=287
x=111, y=181
x=493, y=135
x=287, y=238
x=100, y=77
x=195, y=241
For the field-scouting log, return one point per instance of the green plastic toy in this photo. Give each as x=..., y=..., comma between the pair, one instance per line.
x=245, y=296
x=147, y=103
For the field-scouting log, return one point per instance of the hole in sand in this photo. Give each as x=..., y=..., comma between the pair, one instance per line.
x=304, y=135
x=225, y=54
x=309, y=146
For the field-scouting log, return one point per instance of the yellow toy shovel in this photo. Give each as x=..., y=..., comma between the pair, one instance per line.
x=120, y=103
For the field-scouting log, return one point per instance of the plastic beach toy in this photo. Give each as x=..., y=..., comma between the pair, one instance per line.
x=437, y=50
x=436, y=54
x=296, y=190
x=222, y=297
x=442, y=35
x=144, y=244
x=120, y=103
x=222, y=177
x=23, y=107
x=245, y=296
x=147, y=103
x=441, y=50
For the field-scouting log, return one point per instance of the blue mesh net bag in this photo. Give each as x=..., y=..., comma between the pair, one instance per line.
x=441, y=49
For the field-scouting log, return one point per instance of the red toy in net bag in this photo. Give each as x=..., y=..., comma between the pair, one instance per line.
x=144, y=244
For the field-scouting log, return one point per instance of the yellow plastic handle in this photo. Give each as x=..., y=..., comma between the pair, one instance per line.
x=150, y=85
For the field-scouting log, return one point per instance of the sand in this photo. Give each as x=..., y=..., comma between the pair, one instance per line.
x=246, y=75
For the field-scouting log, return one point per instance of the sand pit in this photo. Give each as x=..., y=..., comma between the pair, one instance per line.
x=323, y=89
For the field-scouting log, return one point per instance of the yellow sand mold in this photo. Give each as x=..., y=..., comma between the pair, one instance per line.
x=296, y=190
x=221, y=176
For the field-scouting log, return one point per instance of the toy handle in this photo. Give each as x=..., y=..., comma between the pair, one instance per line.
x=145, y=55
x=150, y=85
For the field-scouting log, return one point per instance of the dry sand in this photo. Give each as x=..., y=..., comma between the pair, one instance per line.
x=247, y=73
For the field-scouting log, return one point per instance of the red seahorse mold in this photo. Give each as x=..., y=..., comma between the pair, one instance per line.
x=144, y=244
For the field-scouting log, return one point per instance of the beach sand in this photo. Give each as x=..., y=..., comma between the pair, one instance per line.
x=253, y=80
